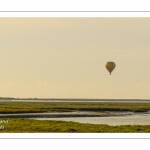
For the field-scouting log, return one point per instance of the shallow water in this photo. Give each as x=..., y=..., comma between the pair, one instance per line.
x=135, y=119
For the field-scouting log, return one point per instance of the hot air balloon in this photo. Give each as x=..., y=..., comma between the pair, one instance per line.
x=110, y=66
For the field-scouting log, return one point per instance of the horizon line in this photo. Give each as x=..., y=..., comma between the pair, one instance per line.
x=76, y=98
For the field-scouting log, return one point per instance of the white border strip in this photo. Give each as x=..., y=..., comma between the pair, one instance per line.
x=75, y=136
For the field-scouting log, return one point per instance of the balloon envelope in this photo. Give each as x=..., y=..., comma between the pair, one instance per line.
x=110, y=66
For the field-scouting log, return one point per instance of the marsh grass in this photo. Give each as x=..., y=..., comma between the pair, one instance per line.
x=20, y=125
x=47, y=126
x=29, y=107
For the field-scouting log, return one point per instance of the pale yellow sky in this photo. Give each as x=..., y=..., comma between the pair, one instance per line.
x=65, y=57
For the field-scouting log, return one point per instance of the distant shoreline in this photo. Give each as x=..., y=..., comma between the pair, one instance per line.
x=72, y=99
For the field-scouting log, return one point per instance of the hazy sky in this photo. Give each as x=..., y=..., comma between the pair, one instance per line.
x=66, y=57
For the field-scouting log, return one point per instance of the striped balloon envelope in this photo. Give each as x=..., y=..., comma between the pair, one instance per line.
x=110, y=66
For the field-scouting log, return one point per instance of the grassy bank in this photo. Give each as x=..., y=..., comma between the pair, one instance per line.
x=29, y=107
x=47, y=126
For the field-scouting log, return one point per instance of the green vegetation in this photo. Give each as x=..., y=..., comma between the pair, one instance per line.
x=19, y=125
x=47, y=126
x=29, y=107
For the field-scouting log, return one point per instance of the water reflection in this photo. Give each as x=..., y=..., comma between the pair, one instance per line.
x=134, y=119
